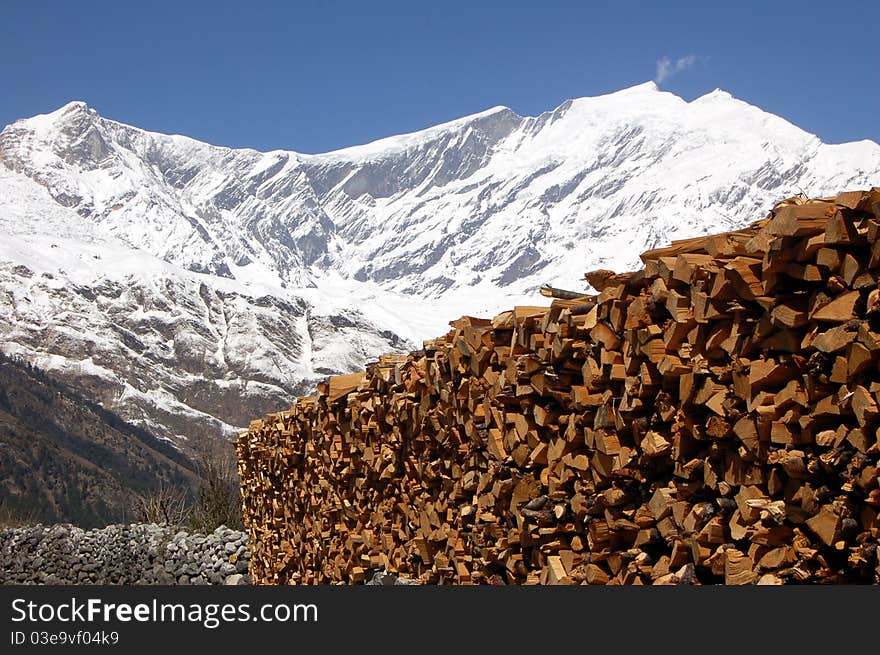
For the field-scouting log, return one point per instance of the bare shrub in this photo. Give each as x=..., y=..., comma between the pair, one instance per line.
x=218, y=497
x=167, y=505
x=14, y=517
x=215, y=502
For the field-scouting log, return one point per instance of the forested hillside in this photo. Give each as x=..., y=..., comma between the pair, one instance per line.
x=64, y=458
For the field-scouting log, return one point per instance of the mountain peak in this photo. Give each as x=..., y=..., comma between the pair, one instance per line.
x=74, y=108
x=76, y=112
x=645, y=87
x=74, y=105
x=717, y=94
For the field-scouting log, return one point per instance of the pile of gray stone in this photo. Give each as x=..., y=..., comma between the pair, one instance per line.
x=135, y=554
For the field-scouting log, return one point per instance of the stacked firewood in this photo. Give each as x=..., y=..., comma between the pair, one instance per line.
x=711, y=418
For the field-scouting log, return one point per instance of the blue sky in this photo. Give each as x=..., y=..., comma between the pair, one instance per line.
x=314, y=76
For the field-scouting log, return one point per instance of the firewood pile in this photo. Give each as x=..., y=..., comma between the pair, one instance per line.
x=711, y=418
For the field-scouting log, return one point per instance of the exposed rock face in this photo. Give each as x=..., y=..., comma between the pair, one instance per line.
x=136, y=554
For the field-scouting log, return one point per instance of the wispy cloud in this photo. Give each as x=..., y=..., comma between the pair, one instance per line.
x=667, y=68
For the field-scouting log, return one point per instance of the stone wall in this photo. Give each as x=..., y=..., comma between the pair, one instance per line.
x=135, y=554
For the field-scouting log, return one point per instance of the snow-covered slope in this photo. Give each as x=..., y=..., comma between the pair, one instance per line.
x=180, y=352
x=192, y=286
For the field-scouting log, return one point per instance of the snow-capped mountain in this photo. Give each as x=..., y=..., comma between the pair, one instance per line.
x=191, y=286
